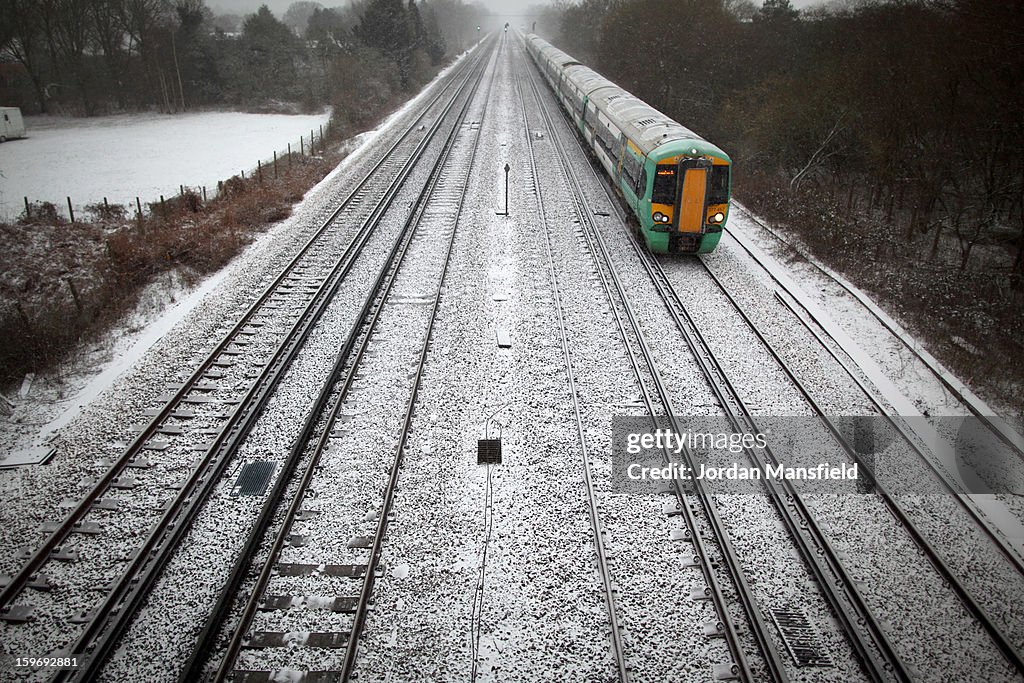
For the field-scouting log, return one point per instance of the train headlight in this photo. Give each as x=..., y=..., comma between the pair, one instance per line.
x=659, y=217
x=718, y=217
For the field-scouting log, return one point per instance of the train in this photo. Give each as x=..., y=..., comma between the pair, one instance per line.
x=676, y=183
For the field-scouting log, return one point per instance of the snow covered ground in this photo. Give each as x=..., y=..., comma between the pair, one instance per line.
x=138, y=155
x=196, y=319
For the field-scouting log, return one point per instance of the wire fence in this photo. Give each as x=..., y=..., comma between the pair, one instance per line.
x=271, y=168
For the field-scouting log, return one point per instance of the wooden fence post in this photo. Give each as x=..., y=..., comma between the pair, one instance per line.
x=71, y=211
x=74, y=295
x=24, y=316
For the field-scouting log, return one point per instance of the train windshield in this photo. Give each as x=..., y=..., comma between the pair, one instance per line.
x=719, y=193
x=664, y=191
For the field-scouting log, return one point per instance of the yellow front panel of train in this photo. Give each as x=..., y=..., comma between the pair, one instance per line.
x=691, y=207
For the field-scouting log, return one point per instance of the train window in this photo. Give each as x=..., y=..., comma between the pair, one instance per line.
x=631, y=169
x=664, y=191
x=719, y=185
x=608, y=142
x=611, y=142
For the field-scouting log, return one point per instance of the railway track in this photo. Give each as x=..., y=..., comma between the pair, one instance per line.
x=622, y=666
x=935, y=556
x=713, y=547
x=320, y=434
x=300, y=592
x=865, y=630
x=202, y=407
x=996, y=425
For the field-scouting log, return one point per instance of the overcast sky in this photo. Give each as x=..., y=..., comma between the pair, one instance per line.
x=278, y=7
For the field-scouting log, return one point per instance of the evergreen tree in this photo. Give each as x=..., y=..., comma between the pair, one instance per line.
x=386, y=27
x=778, y=11
x=327, y=29
x=269, y=50
x=435, y=44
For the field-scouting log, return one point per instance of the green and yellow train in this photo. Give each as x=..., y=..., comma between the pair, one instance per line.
x=674, y=181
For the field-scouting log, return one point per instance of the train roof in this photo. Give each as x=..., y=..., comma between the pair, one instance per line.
x=647, y=127
x=586, y=79
x=550, y=52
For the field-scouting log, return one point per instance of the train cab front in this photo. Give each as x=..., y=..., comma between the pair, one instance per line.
x=689, y=203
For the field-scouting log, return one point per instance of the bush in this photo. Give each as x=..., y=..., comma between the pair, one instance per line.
x=41, y=213
x=107, y=213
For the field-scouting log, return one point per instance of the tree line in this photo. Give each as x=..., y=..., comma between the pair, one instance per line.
x=910, y=109
x=99, y=56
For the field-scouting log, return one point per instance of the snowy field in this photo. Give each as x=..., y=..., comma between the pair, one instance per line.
x=138, y=155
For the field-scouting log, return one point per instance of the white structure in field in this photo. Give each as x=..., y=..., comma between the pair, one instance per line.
x=11, y=124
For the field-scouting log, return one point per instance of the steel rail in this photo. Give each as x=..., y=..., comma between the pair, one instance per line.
x=740, y=665
x=17, y=582
x=888, y=662
x=751, y=610
x=881, y=660
x=884, y=664
x=608, y=585
x=349, y=357
x=113, y=615
x=376, y=548
x=1004, y=546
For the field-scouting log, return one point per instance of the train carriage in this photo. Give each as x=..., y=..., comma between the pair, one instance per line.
x=586, y=81
x=675, y=182
x=553, y=61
